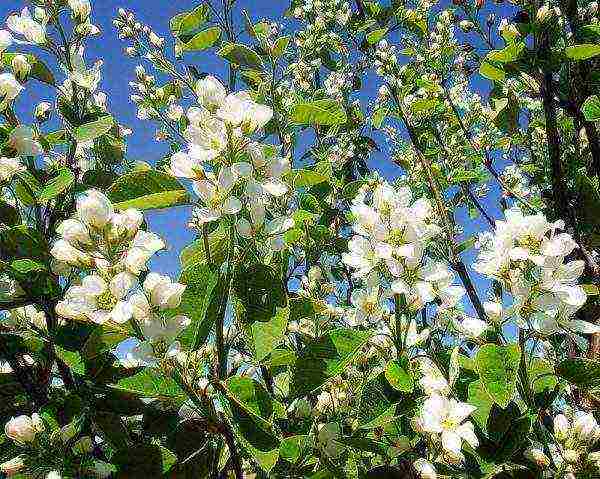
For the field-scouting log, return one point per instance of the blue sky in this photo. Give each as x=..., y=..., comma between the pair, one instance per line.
x=118, y=71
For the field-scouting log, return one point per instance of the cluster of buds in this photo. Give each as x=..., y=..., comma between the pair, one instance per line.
x=334, y=396
x=386, y=61
x=143, y=38
x=324, y=12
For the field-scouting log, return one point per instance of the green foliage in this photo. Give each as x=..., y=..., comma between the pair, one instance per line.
x=147, y=189
x=497, y=367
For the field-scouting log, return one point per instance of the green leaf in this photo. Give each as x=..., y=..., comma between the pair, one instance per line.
x=591, y=289
x=199, y=295
x=591, y=108
x=195, y=252
x=280, y=46
x=376, y=35
x=291, y=448
x=261, y=292
x=497, y=367
x=268, y=335
x=479, y=398
x=508, y=54
x=72, y=359
x=39, y=70
x=319, y=112
x=100, y=341
x=9, y=215
x=146, y=190
x=241, y=55
x=203, y=40
x=27, y=188
x=57, y=185
x=93, y=130
x=186, y=24
x=27, y=266
x=22, y=242
x=304, y=178
x=400, y=375
x=489, y=71
x=583, y=51
x=151, y=384
x=378, y=401
x=143, y=461
x=252, y=409
x=325, y=358
x=582, y=372
x=250, y=396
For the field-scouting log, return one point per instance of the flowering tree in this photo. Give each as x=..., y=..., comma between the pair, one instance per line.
x=327, y=322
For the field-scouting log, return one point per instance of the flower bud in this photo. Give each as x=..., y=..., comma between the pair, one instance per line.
x=466, y=25
x=20, y=429
x=38, y=423
x=155, y=40
x=74, y=231
x=211, y=92
x=21, y=67
x=81, y=9
x=42, y=112
x=425, y=469
x=5, y=40
x=12, y=467
x=67, y=253
x=535, y=454
x=544, y=13
x=561, y=428
x=586, y=427
x=9, y=89
x=94, y=208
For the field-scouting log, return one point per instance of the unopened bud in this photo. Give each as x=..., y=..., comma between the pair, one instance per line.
x=42, y=111
x=21, y=67
x=466, y=25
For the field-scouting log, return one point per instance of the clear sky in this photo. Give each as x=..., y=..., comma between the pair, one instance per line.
x=118, y=70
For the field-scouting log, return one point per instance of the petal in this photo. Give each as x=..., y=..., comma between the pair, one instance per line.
x=122, y=312
x=121, y=284
x=451, y=442
x=94, y=285
x=232, y=205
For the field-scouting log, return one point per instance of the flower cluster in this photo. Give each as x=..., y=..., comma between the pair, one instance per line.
x=110, y=245
x=571, y=452
x=392, y=234
x=219, y=135
x=527, y=255
x=38, y=443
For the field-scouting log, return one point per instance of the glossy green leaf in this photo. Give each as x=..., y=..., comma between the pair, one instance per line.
x=319, y=112
x=491, y=72
x=241, y=55
x=199, y=303
x=57, y=185
x=583, y=51
x=325, y=358
x=497, y=367
x=93, y=130
x=591, y=108
x=146, y=190
x=400, y=375
x=582, y=372
x=203, y=40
